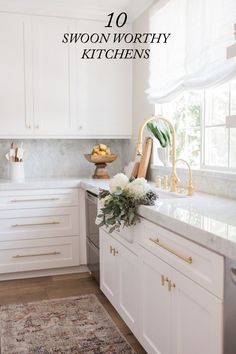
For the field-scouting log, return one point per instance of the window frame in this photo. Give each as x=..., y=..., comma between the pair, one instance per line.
x=203, y=126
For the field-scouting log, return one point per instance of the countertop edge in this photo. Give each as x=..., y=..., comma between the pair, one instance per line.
x=195, y=234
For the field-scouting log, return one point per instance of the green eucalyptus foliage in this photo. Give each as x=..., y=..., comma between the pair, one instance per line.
x=120, y=209
x=163, y=135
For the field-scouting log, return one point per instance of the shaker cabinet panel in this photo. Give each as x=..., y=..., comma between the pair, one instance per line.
x=15, y=105
x=51, y=77
x=103, y=88
x=197, y=319
x=108, y=268
x=128, y=287
x=119, y=278
x=48, y=90
x=155, y=305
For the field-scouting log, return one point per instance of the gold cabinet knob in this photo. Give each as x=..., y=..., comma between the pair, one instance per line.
x=163, y=280
x=115, y=252
x=171, y=285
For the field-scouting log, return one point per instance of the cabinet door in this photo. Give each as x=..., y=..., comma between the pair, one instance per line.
x=197, y=318
x=155, y=305
x=104, y=88
x=15, y=106
x=108, y=268
x=128, y=287
x=51, y=73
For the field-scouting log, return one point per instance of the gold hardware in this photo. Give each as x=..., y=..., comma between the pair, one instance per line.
x=163, y=280
x=111, y=249
x=37, y=255
x=171, y=285
x=190, y=187
x=115, y=252
x=174, y=177
x=167, y=248
x=166, y=183
x=33, y=200
x=37, y=224
x=158, y=182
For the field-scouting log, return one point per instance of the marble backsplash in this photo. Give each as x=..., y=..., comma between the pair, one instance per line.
x=65, y=158
x=62, y=158
x=211, y=182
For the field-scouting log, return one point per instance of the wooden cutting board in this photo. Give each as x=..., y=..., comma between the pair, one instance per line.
x=144, y=162
x=135, y=169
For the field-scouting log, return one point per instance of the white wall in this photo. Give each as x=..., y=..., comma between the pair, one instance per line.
x=141, y=107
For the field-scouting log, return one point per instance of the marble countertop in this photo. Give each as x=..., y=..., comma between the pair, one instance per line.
x=205, y=219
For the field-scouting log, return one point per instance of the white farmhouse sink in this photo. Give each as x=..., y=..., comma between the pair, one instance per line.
x=167, y=194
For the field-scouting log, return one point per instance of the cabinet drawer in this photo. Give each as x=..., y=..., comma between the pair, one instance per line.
x=40, y=198
x=38, y=223
x=20, y=256
x=196, y=262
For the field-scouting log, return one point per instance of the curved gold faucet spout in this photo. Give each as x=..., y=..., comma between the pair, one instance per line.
x=174, y=177
x=190, y=186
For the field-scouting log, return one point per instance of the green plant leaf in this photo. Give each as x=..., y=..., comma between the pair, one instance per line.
x=161, y=134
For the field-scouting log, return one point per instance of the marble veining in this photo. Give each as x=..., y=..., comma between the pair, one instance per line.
x=207, y=220
x=62, y=158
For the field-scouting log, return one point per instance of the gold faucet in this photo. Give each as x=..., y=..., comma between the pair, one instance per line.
x=174, y=177
x=190, y=186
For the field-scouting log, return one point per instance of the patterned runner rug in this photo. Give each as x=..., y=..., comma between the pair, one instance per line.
x=74, y=325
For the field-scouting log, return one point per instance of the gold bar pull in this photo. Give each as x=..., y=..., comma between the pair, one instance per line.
x=163, y=280
x=111, y=249
x=36, y=255
x=167, y=248
x=33, y=200
x=37, y=224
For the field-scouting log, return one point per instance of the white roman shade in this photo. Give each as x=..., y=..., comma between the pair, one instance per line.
x=195, y=54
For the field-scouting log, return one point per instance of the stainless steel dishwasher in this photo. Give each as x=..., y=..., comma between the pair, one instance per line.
x=230, y=307
x=92, y=235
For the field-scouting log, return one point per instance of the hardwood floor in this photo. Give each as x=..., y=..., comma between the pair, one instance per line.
x=26, y=290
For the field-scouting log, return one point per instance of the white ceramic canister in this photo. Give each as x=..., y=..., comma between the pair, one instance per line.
x=17, y=171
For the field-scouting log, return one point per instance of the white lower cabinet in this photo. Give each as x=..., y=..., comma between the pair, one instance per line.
x=50, y=253
x=177, y=315
x=108, y=268
x=155, y=305
x=168, y=312
x=39, y=230
x=119, y=278
x=197, y=318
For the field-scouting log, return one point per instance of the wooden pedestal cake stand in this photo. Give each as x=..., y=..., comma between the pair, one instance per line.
x=100, y=162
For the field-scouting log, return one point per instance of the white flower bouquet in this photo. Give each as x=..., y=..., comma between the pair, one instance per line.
x=117, y=207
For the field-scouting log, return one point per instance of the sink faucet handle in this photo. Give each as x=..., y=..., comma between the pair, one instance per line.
x=190, y=188
x=158, y=181
x=166, y=183
x=174, y=183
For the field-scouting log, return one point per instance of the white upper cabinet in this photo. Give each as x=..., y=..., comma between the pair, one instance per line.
x=15, y=100
x=103, y=87
x=48, y=90
x=51, y=77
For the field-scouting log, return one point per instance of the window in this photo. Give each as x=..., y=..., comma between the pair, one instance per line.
x=199, y=118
